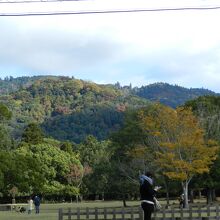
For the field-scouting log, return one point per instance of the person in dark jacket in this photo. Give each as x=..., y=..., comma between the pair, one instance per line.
x=147, y=193
x=37, y=204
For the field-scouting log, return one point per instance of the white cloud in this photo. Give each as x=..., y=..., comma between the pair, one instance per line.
x=181, y=47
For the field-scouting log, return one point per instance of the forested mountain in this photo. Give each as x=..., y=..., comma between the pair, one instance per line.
x=69, y=109
x=171, y=95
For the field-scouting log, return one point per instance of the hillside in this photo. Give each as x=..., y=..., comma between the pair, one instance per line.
x=171, y=95
x=69, y=109
x=10, y=84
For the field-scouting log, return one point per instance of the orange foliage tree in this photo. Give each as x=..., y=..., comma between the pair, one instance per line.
x=178, y=144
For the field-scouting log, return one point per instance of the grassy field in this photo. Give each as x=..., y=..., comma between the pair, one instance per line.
x=50, y=211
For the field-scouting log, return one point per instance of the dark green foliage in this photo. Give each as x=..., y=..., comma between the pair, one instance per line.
x=19, y=171
x=33, y=134
x=67, y=147
x=207, y=109
x=170, y=95
x=6, y=142
x=96, y=156
x=99, y=122
x=5, y=114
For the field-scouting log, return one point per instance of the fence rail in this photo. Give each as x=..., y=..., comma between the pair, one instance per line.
x=199, y=212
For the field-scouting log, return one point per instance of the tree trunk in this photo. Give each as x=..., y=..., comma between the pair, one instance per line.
x=77, y=198
x=185, y=192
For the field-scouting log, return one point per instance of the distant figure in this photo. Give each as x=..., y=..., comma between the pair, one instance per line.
x=147, y=193
x=30, y=205
x=37, y=204
x=181, y=200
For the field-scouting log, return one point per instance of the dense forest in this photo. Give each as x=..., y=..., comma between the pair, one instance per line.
x=64, y=137
x=170, y=95
x=70, y=109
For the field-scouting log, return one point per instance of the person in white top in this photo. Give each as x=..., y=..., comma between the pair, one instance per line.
x=30, y=205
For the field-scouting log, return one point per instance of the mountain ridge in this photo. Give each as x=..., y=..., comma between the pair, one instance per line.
x=70, y=109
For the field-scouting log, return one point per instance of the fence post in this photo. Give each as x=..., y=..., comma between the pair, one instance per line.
x=78, y=213
x=69, y=213
x=96, y=213
x=105, y=213
x=87, y=213
x=164, y=213
x=181, y=213
x=60, y=216
x=208, y=211
x=190, y=213
x=199, y=211
x=217, y=211
x=172, y=213
x=132, y=213
x=141, y=213
x=114, y=214
x=123, y=213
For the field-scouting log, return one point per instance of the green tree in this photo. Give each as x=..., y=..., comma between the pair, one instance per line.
x=19, y=171
x=95, y=156
x=67, y=146
x=6, y=142
x=207, y=110
x=5, y=114
x=33, y=134
x=55, y=165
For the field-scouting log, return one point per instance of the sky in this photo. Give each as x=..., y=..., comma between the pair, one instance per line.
x=177, y=47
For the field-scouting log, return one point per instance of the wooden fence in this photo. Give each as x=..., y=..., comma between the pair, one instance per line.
x=199, y=212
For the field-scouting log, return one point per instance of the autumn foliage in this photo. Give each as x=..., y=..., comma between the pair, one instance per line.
x=177, y=142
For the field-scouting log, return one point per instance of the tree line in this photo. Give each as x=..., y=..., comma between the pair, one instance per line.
x=181, y=145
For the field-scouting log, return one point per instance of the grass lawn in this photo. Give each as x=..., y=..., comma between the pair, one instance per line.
x=50, y=211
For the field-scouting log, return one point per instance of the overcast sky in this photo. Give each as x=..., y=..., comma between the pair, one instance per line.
x=177, y=47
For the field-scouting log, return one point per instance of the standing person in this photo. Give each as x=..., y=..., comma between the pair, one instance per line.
x=181, y=200
x=147, y=193
x=30, y=205
x=37, y=204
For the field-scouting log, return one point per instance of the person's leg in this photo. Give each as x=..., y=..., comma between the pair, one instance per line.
x=148, y=209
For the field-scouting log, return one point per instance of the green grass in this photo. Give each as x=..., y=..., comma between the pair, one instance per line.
x=50, y=211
